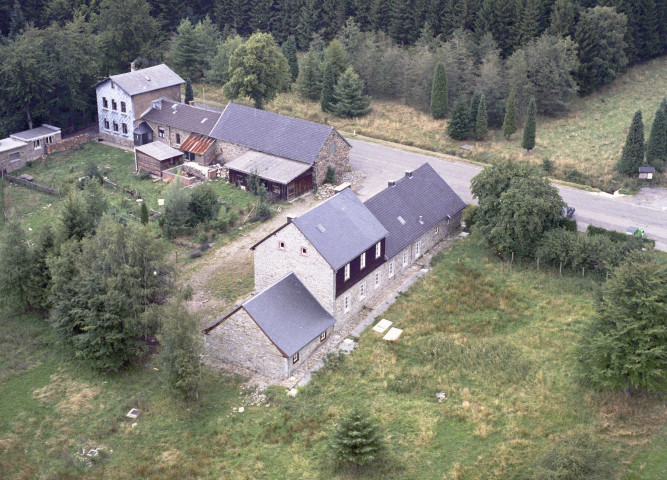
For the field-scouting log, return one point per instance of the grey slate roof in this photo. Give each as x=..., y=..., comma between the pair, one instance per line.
x=182, y=116
x=646, y=170
x=35, y=133
x=268, y=167
x=289, y=314
x=158, y=150
x=341, y=228
x=142, y=128
x=271, y=133
x=7, y=144
x=425, y=194
x=147, y=79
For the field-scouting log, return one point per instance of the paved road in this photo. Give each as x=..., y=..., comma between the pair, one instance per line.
x=647, y=210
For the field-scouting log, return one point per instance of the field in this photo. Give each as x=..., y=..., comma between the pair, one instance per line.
x=584, y=146
x=499, y=342
x=63, y=170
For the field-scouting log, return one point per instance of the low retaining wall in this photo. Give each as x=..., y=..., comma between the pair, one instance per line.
x=168, y=176
x=67, y=144
x=35, y=186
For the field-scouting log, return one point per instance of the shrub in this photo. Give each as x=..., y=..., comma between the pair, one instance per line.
x=357, y=441
x=331, y=175
x=144, y=175
x=263, y=210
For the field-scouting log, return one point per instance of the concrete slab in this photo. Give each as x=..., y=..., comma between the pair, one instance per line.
x=393, y=334
x=382, y=325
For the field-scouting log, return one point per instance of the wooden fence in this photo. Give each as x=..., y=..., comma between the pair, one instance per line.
x=33, y=185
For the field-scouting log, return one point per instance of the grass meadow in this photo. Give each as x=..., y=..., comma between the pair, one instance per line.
x=584, y=146
x=498, y=341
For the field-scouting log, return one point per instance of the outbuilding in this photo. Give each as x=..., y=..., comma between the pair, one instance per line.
x=155, y=157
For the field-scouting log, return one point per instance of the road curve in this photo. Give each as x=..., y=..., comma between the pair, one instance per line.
x=647, y=210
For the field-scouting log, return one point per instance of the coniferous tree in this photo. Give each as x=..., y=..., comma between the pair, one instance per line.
x=14, y=267
x=482, y=123
x=289, y=50
x=509, y=124
x=184, y=54
x=144, y=213
x=530, y=126
x=562, y=20
x=439, y=93
x=632, y=156
x=401, y=26
x=310, y=76
x=189, y=94
x=357, y=440
x=349, y=100
x=328, y=85
x=656, y=147
x=459, y=124
x=499, y=17
x=336, y=55
x=528, y=26
x=39, y=278
x=472, y=111
x=219, y=71
x=17, y=21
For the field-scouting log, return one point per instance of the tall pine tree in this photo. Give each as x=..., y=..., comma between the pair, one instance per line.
x=529, y=128
x=439, y=93
x=328, y=84
x=482, y=122
x=189, y=94
x=633, y=150
x=472, y=111
x=349, y=100
x=310, y=76
x=563, y=18
x=289, y=50
x=459, y=125
x=656, y=147
x=509, y=124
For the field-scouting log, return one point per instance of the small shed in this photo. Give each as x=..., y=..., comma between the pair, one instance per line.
x=646, y=173
x=155, y=157
x=199, y=149
x=284, y=179
x=143, y=134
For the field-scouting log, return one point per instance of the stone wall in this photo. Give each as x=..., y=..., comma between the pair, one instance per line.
x=125, y=142
x=272, y=263
x=9, y=166
x=307, y=351
x=67, y=144
x=226, y=152
x=340, y=159
x=238, y=340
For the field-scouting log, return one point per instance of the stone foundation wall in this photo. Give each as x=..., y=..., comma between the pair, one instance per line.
x=340, y=159
x=125, y=142
x=238, y=340
x=9, y=166
x=272, y=263
x=307, y=351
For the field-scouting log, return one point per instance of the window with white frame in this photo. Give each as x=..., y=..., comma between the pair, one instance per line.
x=125, y=128
x=14, y=157
x=391, y=269
x=123, y=107
x=346, y=303
x=362, y=261
x=405, y=259
x=106, y=124
x=160, y=132
x=295, y=357
x=114, y=105
x=418, y=248
x=437, y=229
x=362, y=290
x=115, y=127
x=105, y=102
x=377, y=279
x=378, y=249
x=323, y=336
x=346, y=273
x=36, y=144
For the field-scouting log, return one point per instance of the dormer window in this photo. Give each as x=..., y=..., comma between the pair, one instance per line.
x=347, y=272
x=362, y=261
x=304, y=251
x=281, y=245
x=378, y=249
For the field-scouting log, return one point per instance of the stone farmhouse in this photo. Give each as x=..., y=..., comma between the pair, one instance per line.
x=122, y=98
x=344, y=253
x=20, y=148
x=289, y=155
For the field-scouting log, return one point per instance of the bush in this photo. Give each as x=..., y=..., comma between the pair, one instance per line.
x=469, y=216
x=357, y=441
x=263, y=210
x=331, y=175
x=144, y=175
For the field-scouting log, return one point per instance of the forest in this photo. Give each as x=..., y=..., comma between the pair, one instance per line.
x=52, y=52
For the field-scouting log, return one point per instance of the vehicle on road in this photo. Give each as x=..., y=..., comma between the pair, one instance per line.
x=634, y=231
x=567, y=211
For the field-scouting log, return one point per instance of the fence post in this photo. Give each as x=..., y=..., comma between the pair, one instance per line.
x=582, y=272
x=560, y=269
x=538, y=263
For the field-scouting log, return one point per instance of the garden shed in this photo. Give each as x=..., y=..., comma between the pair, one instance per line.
x=155, y=157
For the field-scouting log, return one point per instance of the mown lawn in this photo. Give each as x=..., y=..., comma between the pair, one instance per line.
x=584, y=145
x=63, y=170
x=499, y=342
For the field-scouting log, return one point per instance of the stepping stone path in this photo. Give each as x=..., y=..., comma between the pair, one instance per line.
x=393, y=334
x=382, y=325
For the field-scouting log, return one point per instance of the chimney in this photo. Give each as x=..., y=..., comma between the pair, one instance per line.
x=132, y=67
x=392, y=183
x=290, y=218
x=408, y=173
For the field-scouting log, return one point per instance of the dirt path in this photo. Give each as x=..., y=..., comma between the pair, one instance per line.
x=224, y=275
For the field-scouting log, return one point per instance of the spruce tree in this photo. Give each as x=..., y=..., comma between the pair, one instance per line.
x=472, y=111
x=310, y=76
x=289, y=50
x=349, y=100
x=17, y=20
x=633, y=150
x=458, y=127
x=562, y=18
x=509, y=124
x=328, y=84
x=439, y=93
x=189, y=94
x=656, y=147
x=144, y=213
x=482, y=122
x=357, y=440
x=529, y=25
x=529, y=128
